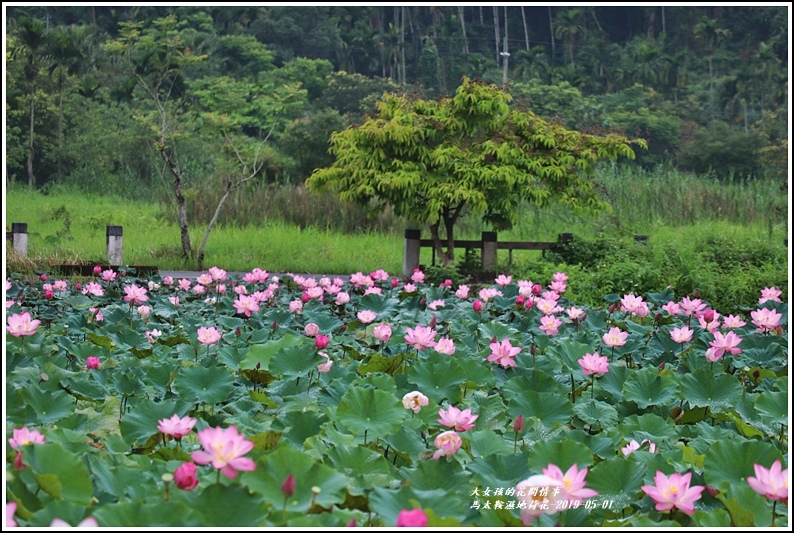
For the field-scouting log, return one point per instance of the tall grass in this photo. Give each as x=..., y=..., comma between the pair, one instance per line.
x=288, y=228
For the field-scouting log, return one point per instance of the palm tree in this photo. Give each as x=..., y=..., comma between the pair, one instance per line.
x=32, y=37
x=708, y=30
x=567, y=27
x=677, y=71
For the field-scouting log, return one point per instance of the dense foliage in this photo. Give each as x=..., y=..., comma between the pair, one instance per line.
x=431, y=160
x=706, y=86
x=260, y=402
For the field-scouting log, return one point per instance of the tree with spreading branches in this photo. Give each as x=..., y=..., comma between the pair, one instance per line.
x=432, y=159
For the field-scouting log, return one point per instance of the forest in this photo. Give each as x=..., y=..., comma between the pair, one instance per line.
x=97, y=96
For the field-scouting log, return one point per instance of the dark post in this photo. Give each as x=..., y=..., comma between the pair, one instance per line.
x=19, y=236
x=411, y=251
x=489, y=251
x=113, y=242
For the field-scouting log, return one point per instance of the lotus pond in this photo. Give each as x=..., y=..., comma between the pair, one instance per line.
x=264, y=400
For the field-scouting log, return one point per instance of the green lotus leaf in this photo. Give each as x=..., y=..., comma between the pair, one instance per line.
x=60, y=473
x=372, y=411
x=562, y=453
x=702, y=388
x=773, y=407
x=209, y=385
x=49, y=406
x=618, y=479
x=156, y=514
x=295, y=362
x=487, y=442
x=728, y=463
x=439, y=378
x=545, y=406
x=262, y=353
x=141, y=423
x=363, y=467
x=230, y=506
x=596, y=413
x=274, y=467
x=647, y=387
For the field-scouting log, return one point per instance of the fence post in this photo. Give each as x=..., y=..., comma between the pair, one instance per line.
x=19, y=236
x=489, y=251
x=411, y=251
x=113, y=242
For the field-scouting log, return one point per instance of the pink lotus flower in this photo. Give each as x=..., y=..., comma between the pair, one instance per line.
x=547, y=306
x=184, y=284
x=572, y=482
x=11, y=508
x=324, y=368
x=135, y=295
x=153, y=335
x=435, y=304
x=311, y=329
x=107, y=275
x=321, y=341
x=594, y=364
x=240, y=290
x=366, y=316
x=24, y=436
x=168, y=281
x=558, y=286
x=769, y=294
x=615, y=337
x=382, y=333
x=208, y=335
x=204, y=279
x=765, y=319
x=412, y=518
x=415, y=401
x=246, y=305
x=418, y=276
x=448, y=443
x=692, y=307
x=445, y=346
x=218, y=274
x=576, y=314
x=672, y=308
x=674, y=492
x=185, y=476
x=175, y=426
x=342, y=298
x=560, y=276
x=549, y=324
x=456, y=419
x=373, y=290
x=20, y=325
x=60, y=286
x=630, y=448
x=92, y=363
x=771, y=483
x=503, y=353
x=224, y=448
x=88, y=522
x=144, y=311
x=732, y=321
x=503, y=280
x=409, y=287
x=539, y=494
x=296, y=306
x=94, y=289
x=629, y=303
x=488, y=293
x=420, y=337
x=709, y=320
x=463, y=292
x=726, y=343
x=682, y=334
x=379, y=275
x=477, y=306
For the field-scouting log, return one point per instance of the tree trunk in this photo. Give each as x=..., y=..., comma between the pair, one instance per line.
x=187, y=249
x=551, y=35
x=463, y=28
x=496, y=31
x=31, y=180
x=526, y=31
